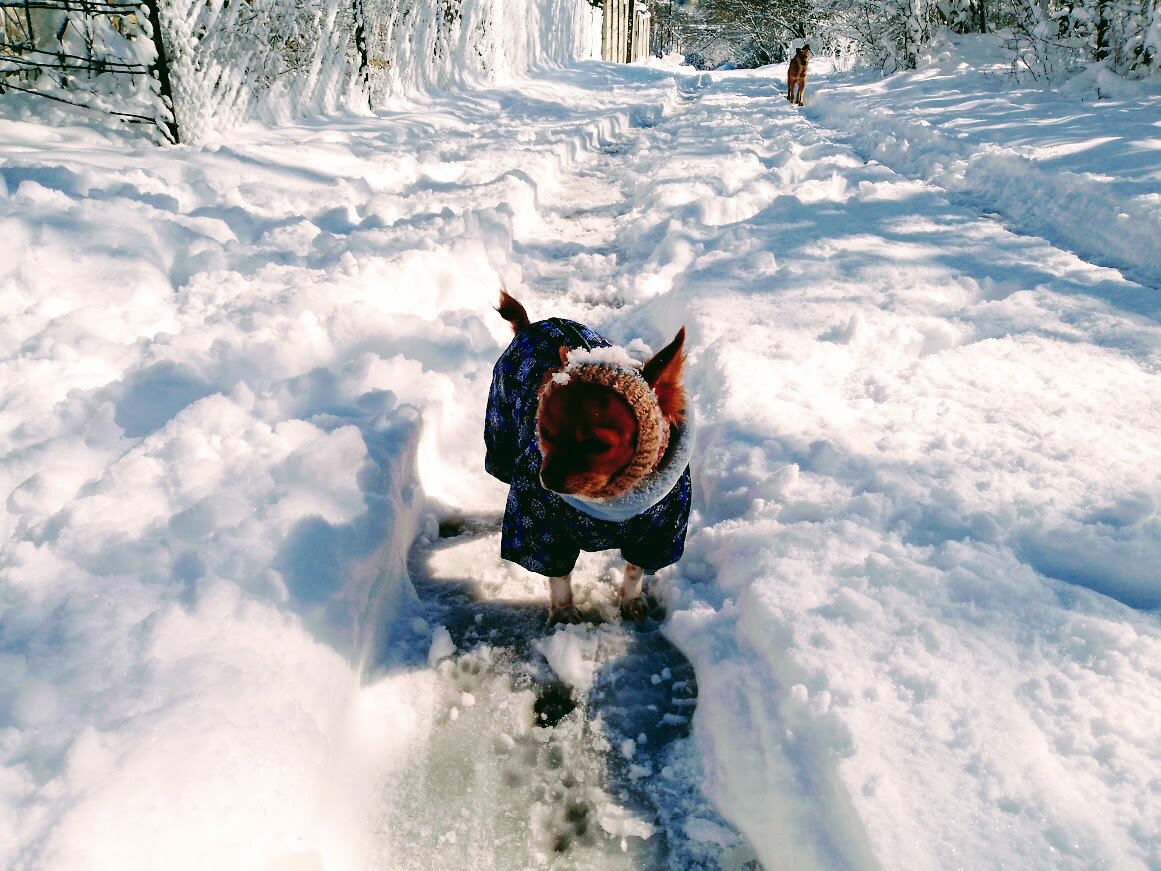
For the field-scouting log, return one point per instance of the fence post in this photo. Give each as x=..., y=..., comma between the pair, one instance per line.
x=606, y=23
x=621, y=46
x=159, y=70
x=640, y=41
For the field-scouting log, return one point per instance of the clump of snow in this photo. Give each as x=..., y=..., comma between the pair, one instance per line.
x=570, y=652
x=621, y=823
x=707, y=830
x=614, y=355
x=442, y=646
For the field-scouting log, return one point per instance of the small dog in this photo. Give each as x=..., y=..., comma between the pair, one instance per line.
x=594, y=448
x=796, y=75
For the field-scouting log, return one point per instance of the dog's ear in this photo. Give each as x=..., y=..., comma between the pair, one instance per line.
x=565, y=350
x=662, y=372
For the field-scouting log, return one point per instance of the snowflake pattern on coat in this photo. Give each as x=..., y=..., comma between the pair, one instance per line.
x=541, y=531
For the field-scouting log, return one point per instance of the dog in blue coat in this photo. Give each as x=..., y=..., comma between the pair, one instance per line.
x=594, y=447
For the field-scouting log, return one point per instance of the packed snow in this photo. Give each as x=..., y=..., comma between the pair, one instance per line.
x=245, y=387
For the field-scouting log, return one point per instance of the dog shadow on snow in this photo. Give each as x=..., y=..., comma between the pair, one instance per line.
x=643, y=697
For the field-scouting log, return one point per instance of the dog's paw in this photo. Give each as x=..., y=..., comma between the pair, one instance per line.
x=568, y=614
x=634, y=609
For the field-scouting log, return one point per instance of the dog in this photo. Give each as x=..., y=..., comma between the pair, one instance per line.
x=594, y=448
x=796, y=75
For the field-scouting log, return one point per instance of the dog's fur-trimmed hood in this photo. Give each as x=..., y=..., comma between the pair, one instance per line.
x=654, y=486
x=613, y=368
x=543, y=531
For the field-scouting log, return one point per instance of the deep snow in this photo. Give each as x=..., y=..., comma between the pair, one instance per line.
x=920, y=595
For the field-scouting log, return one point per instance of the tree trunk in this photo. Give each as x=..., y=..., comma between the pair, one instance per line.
x=159, y=70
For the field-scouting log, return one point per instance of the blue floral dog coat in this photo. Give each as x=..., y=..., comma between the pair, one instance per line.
x=542, y=532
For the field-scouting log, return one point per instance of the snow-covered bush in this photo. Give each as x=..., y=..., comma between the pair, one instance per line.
x=423, y=44
x=743, y=33
x=1049, y=38
x=886, y=34
x=1058, y=37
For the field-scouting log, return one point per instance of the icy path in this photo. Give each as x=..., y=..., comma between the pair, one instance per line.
x=564, y=749
x=246, y=384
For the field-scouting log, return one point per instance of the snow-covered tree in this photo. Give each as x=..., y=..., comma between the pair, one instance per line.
x=1050, y=37
x=746, y=33
x=1055, y=37
x=887, y=34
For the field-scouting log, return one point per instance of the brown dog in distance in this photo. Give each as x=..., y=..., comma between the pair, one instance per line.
x=796, y=75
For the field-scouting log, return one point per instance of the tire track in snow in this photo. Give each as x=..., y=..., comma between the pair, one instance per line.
x=565, y=748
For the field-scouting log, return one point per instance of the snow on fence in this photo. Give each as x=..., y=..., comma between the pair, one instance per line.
x=190, y=68
x=433, y=44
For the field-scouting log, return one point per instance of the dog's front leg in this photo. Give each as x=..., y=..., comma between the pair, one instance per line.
x=560, y=606
x=633, y=606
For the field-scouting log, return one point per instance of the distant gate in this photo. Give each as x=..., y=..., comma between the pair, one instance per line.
x=625, y=36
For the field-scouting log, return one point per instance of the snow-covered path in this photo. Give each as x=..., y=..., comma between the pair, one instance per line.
x=919, y=594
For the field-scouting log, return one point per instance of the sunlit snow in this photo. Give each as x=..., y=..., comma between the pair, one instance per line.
x=243, y=411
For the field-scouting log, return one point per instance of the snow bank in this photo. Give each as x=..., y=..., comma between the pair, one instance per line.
x=210, y=501
x=1047, y=162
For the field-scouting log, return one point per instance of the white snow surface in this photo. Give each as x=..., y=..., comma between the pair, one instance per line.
x=921, y=587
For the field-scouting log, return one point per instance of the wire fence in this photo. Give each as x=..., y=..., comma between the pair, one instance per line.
x=98, y=55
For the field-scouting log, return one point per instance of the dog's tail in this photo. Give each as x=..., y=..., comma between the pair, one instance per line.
x=511, y=311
